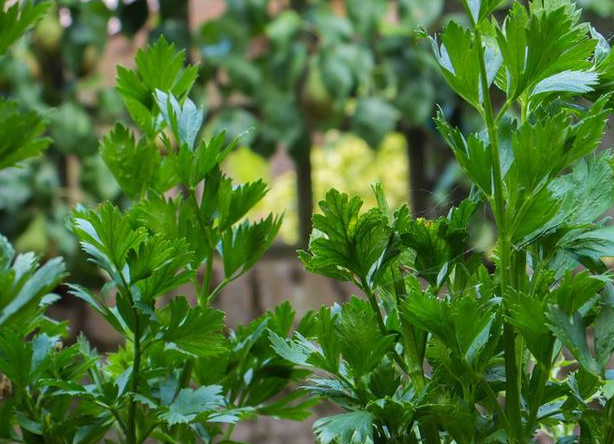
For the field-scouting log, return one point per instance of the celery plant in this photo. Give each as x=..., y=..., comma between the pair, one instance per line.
x=494, y=338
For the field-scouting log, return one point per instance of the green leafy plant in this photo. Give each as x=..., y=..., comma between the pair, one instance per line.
x=158, y=246
x=314, y=66
x=180, y=376
x=451, y=344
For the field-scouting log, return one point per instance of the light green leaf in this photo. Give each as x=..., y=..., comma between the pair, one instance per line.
x=106, y=235
x=579, y=82
x=189, y=404
x=184, y=120
x=194, y=166
x=591, y=187
x=347, y=428
x=481, y=9
x=30, y=293
x=473, y=155
x=7, y=253
x=292, y=351
x=543, y=43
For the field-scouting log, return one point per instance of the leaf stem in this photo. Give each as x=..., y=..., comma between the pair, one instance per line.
x=204, y=289
x=512, y=392
x=415, y=363
x=136, y=363
x=493, y=396
x=541, y=376
x=609, y=433
x=382, y=326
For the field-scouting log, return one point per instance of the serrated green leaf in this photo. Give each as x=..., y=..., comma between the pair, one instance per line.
x=345, y=243
x=159, y=266
x=543, y=43
x=184, y=120
x=106, y=235
x=38, y=283
x=17, y=19
x=437, y=243
x=159, y=67
x=569, y=81
x=576, y=289
x=189, y=404
x=528, y=315
x=242, y=199
x=572, y=333
x=348, y=428
x=474, y=155
x=197, y=331
x=7, y=254
x=15, y=357
x=604, y=336
x=591, y=187
x=360, y=341
x=243, y=245
x=481, y=9
x=134, y=165
x=458, y=59
x=296, y=352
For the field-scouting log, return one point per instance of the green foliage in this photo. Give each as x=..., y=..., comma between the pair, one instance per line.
x=496, y=326
x=20, y=135
x=26, y=286
x=346, y=243
x=180, y=375
x=16, y=19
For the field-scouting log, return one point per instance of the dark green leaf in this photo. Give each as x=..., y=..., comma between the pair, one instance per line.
x=197, y=331
x=344, y=243
x=20, y=133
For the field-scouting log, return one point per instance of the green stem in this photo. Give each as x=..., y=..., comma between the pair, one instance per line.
x=609, y=434
x=148, y=432
x=136, y=363
x=229, y=431
x=541, y=375
x=204, y=289
x=204, y=296
x=382, y=326
x=512, y=392
x=493, y=397
x=415, y=363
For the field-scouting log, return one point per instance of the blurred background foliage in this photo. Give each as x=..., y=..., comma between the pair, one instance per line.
x=336, y=93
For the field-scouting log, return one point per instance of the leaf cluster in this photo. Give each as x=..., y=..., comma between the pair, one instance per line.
x=180, y=376
x=454, y=345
